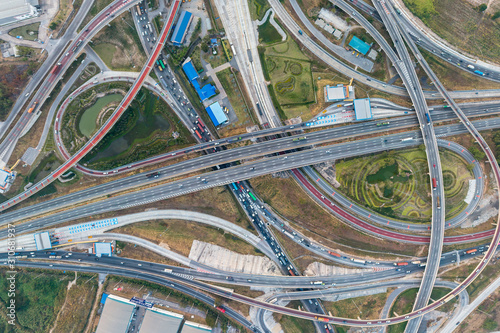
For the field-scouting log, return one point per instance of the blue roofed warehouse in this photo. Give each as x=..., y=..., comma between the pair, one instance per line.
x=190, y=71
x=359, y=45
x=216, y=113
x=181, y=28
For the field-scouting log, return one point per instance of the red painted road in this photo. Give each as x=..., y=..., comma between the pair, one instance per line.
x=116, y=115
x=379, y=231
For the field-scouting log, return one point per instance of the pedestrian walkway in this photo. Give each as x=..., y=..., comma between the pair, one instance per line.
x=222, y=93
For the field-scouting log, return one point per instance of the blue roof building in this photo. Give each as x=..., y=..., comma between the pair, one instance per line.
x=103, y=249
x=207, y=91
x=216, y=114
x=359, y=45
x=190, y=71
x=181, y=28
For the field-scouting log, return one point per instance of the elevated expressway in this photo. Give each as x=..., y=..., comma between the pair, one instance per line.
x=422, y=301
x=434, y=163
x=214, y=178
x=378, y=219
x=48, y=84
x=119, y=266
x=440, y=114
x=113, y=118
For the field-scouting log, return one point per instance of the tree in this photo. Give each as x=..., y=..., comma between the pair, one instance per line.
x=204, y=47
x=477, y=153
x=482, y=7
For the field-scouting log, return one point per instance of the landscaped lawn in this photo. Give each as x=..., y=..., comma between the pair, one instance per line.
x=25, y=31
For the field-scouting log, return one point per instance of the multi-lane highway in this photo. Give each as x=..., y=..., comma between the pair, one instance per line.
x=214, y=178
x=427, y=285
x=116, y=265
x=255, y=150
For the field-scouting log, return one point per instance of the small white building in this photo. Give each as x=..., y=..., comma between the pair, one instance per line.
x=335, y=93
x=372, y=54
x=362, y=109
x=328, y=28
x=320, y=23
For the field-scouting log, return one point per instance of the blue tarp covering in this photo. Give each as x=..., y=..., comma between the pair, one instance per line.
x=359, y=45
x=190, y=71
x=216, y=114
x=181, y=28
x=103, y=298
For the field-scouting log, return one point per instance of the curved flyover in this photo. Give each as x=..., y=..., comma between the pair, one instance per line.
x=110, y=122
x=375, y=218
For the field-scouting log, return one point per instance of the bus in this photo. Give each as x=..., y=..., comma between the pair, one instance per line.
x=235, y=188
x=383, y=124
x=428, y=118
x=201, y=128
x=401, y=263
x=434, y=183
x=252, y=196
x=161, y=63
x=471, y=251
x=198, y=134
x=299, y=139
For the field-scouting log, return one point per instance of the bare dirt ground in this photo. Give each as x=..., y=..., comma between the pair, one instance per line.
x=221, y=258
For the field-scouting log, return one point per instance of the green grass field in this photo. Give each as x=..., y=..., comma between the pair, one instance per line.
x=119, y=45
x=28, y=32
x=290, y=73
x=466, y=27
x=258, y=8
x=229, y=82
x=105, y=51
x=39, y=297
x=396, y=184
x=404, y=304
x=267, y=33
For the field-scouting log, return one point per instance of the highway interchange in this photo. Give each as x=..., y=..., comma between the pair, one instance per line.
x=263, y=159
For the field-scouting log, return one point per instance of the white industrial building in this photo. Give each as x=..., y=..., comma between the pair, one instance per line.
x=17, y=10
x=335, y=93
x=362, y=109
